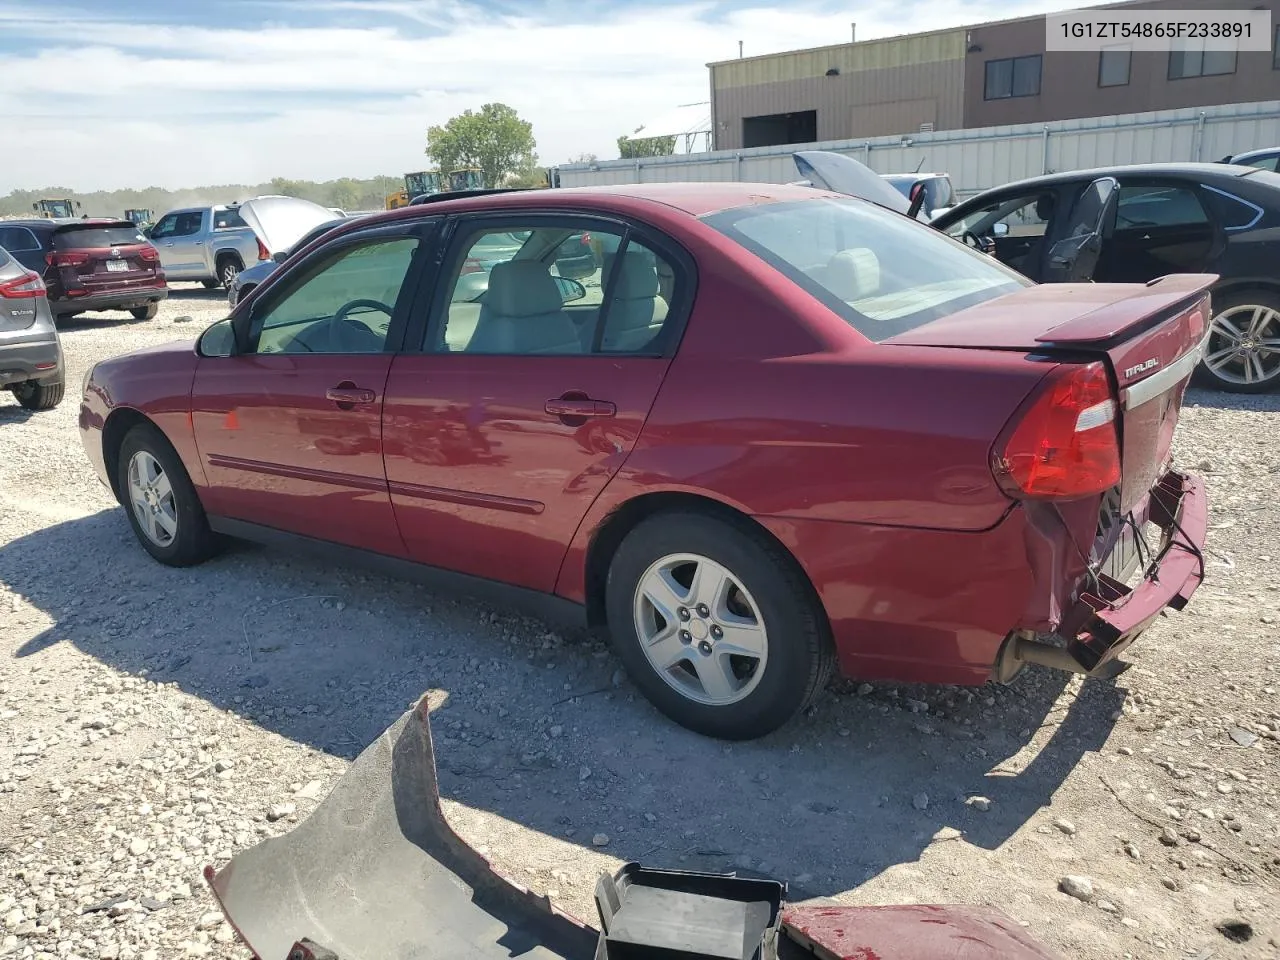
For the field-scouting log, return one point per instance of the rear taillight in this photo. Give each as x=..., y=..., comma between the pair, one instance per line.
x=262, y=251
x=148, y=254
x=66, y=259
x=22, y=288
x=1065, y=445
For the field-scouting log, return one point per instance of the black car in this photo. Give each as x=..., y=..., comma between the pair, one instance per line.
x=1135, y=223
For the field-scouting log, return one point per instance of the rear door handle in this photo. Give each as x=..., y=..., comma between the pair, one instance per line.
x=347, y=395
x=575, y=407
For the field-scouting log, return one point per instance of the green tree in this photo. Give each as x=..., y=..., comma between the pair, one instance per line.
x=283, y=187
x=495, y=140
x=344, y=193
x=630, y=147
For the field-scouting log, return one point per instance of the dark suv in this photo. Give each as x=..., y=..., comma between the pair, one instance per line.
x=89, y=265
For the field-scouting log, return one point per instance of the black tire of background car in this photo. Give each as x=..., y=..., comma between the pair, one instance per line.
x=228, y=266
x=801, y=654
x=195, y=542
x=39, y=395
x=145, y=313
x=1261, y=298
x=210, y=284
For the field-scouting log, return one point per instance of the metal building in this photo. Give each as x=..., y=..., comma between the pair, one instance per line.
x=985, y=75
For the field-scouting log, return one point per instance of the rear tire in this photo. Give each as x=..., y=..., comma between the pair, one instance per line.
x=1242, y=354
x=732, y=590
x=40, y=394
x=209, y=284
x=145, y=313
x=229, y=268
x=160, y=501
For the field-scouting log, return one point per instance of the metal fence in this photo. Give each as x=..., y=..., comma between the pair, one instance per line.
x=982, y=158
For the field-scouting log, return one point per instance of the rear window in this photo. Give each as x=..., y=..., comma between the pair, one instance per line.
x=884, y=274
x=85, y=238
x=227, y=220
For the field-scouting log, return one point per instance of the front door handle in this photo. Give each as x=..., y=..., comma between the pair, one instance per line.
x=579, y=407
x=346, y=395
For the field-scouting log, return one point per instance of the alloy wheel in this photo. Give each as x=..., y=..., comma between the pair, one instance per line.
x=151, y=497
x=700, y=629
x=1244, y=345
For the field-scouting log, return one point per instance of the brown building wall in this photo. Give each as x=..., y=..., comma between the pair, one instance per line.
x=1069, y=81
x=863, y=103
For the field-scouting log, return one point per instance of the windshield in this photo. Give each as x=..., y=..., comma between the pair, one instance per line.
x=883, y=273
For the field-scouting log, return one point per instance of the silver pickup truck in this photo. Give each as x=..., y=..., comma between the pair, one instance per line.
x=209, y=244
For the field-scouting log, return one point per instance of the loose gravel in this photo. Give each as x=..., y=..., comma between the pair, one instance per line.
x=153, y=721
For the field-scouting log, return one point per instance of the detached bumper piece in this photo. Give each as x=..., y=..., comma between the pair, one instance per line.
x=376, y=873
x=1110, y=617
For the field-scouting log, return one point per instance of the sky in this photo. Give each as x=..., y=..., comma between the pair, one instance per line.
x=107, y=94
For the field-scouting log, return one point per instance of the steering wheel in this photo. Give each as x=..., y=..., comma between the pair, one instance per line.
x=341, y=320
x=971, y=239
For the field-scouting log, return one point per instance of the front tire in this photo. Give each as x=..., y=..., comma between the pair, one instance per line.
x=1243, y=350
x=716, y=625
x=145, y=313
x=209, y=284
x=39, y=394
x=160, y=501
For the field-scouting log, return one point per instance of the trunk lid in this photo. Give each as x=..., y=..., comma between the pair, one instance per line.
x=1151, y=336
x=840, y=174
x=280, y=222
x=102, y=257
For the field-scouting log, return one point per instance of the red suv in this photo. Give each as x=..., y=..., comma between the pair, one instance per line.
x=90, y=265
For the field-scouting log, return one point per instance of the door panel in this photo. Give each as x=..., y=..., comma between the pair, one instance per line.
x=1160, y=229
x=531, y=394
x=278, y=452
x=178, y=237
x=290, y=432
x=483, y=479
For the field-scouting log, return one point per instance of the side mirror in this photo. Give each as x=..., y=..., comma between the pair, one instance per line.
x=218, y=340
x=280, y=256
x=1000, y=229
x=570, y=290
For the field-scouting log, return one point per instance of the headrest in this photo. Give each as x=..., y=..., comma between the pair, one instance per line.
x=522, y=288
x=636, y=279
x=853, y=274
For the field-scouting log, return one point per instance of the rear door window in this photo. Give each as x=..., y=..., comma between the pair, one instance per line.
x=18, y=239
x=1152, y=206
x=94, y=238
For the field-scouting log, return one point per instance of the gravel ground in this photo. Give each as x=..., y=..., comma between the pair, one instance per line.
x=153, y=721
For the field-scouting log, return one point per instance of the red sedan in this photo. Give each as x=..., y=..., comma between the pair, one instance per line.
x=777, y=430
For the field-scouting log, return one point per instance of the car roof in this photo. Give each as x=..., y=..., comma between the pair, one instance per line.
x=694, y=199
x=1190, y=170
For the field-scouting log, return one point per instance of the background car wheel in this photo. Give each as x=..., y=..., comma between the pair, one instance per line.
x=228, y=270
x=39, y=394
x=716, y=625
x=145, y=313
x=160, y=500
x=1243, y=351
x=209, y=284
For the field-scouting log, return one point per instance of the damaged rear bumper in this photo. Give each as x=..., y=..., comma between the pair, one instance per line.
x=1108, y=615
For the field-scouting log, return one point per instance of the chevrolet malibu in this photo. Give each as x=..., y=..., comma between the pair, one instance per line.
x=778, y=430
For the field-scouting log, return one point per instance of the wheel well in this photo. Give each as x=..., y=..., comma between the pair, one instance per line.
x=610, y=534
x=224, y=255
x=118, y=424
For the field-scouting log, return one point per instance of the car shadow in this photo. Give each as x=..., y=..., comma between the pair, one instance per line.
x=11, y=411
x=545, y=732
x=197, y=292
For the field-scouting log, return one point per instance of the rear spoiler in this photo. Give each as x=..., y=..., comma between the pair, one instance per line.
x=1164, y=297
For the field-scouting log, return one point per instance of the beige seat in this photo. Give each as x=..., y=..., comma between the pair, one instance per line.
x=853, y=274
x=636, y=312
x=523, y=312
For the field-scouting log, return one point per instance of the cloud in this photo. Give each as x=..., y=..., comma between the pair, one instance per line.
x=332, y=88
